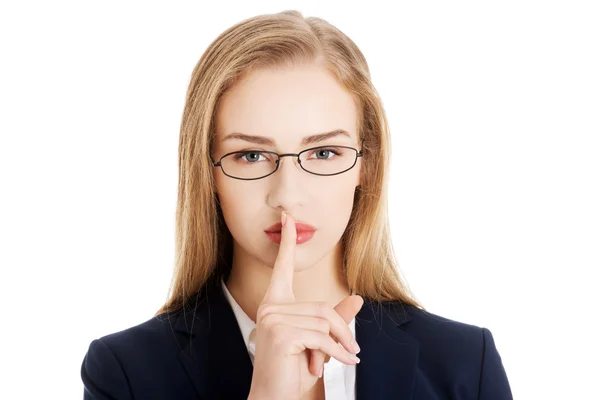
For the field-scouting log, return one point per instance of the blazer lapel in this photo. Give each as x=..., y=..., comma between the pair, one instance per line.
x=214, y=355
x=388, y=356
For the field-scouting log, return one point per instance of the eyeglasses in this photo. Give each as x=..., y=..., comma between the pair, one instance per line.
x=257, y=164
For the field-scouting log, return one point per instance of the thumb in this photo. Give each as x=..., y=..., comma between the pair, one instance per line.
x=349, y=307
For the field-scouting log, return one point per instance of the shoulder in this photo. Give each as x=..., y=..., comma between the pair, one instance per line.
x=156, y=334
x=147, y=333
x=454, y=351
x=430, y=326
x=122, y=362
x=439, y=335
x=439, y=339
x=425, y=325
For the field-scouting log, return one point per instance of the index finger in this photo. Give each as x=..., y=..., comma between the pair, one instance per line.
x=282, y=278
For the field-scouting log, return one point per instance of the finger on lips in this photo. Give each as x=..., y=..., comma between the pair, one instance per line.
x=328, y=327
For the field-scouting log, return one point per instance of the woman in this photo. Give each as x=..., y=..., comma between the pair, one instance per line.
x=285, y=268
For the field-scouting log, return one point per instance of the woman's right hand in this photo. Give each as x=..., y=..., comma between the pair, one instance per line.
x=289, y=334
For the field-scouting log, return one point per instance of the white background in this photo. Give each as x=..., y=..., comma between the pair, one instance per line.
x=495, y=190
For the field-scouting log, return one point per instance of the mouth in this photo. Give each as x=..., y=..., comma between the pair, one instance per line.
x=300, y=227
x=304, y=232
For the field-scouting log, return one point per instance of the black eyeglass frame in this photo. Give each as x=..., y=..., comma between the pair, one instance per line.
x=279, y=156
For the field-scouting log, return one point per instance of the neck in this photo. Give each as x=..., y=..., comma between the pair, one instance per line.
x=250, y=278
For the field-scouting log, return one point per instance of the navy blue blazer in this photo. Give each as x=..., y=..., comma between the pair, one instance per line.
x=406, y=353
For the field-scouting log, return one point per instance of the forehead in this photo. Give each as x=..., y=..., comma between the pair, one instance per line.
x=287, y=104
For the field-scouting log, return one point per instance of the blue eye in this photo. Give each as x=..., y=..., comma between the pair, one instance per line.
x=327, y=151
x=255, y=155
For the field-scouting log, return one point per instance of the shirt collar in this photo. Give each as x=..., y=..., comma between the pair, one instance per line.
x=244, y=321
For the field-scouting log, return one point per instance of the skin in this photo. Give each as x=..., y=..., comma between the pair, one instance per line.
x=293, y=338
x=287, y=104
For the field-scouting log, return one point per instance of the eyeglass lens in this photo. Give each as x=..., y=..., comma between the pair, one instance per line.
x=253, y=164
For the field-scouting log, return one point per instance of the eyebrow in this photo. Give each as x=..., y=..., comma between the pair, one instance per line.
x=320, y=137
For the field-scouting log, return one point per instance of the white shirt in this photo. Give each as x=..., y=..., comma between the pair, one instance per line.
x=339, y=378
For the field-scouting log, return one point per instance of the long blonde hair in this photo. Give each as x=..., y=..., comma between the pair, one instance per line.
x=203, y=242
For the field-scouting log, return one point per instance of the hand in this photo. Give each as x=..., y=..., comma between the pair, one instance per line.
x=290, y=336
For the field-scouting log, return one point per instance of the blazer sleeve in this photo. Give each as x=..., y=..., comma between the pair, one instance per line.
x=493, y=382
x=102, y=374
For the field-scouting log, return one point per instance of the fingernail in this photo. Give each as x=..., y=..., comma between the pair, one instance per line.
x=355, y=359
x=355, y=346
x=283, y=218
x=321, y=372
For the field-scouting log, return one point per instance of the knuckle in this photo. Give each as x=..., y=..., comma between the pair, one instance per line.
x=270, y=320
x=263, y=311
x=322, y=308
x=323, y=325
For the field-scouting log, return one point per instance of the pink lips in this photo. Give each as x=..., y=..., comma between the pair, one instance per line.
x=300, y=226
x=304, y=232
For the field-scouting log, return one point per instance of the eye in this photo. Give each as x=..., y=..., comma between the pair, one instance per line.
x=254, y=155
x=326, y=152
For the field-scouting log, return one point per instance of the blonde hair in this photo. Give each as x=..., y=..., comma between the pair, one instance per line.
x=203, y=242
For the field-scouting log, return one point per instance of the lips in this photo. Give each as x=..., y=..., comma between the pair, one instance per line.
x=300, y=227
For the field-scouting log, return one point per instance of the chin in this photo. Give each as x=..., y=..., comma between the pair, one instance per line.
x=300, y=262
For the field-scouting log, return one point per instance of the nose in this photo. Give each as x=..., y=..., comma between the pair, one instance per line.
x=286, y=190
x=289, y=170
x=290, y=159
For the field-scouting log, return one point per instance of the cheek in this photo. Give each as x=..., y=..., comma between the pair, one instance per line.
x=234, y=202
x=240, y=208
x=335, y=207
x=336, y=200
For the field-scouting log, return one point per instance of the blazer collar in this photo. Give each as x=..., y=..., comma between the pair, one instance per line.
x=216, y=360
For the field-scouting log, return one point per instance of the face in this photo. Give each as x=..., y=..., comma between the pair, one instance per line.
x=286, y=105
